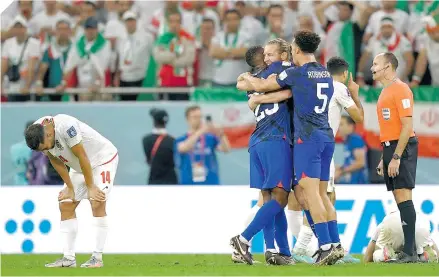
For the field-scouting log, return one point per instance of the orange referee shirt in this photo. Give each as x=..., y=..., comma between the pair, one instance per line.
x=394, y=103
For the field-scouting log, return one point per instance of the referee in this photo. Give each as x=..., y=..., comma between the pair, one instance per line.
x=400, y=146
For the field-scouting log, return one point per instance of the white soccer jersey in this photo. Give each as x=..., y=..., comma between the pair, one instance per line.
x=341, y=99
x=69, y=131
x=389, y=232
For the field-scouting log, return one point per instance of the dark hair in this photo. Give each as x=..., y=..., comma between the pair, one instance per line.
x=230, y=11
x=27, y=126
x=307, y=41
x=348, y=119
x=388, y=18
x=252, y=53
x=190, y=109
x=34, y=136
x=63, y=21
x=337, y=65
x=346, y=3
x=391, y=58
x=91, y=4
x=172, y=12
x=207, y=19
x=274, y=6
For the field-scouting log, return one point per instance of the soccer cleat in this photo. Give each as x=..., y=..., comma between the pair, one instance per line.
x=300, y=258
x=63, y=262
x=237, y=259
x=277, y=259
x=389, y=254
x=403, y=258
x=242, y=249
x=324, y=257
x=93, y=262
x=429, y=255
x=338, y=255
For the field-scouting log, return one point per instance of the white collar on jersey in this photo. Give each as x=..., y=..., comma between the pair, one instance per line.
x=159, y=131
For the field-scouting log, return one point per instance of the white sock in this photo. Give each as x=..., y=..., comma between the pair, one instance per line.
x=326, y=247
x=69, y=229
x=295, y=221
x=305, y=236
x=244, y=240
x=101, y=226
x=251, y=215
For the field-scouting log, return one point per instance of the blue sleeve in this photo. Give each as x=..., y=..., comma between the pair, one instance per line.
x=214, y=141
x=46, y=57
x=356, y=142
x=287, y=77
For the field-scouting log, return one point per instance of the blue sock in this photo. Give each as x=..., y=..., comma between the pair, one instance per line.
x=322, y=233
x=310, y=221
x=268, y=231
x=264, y=216
x=280, y=233
x=333, y=231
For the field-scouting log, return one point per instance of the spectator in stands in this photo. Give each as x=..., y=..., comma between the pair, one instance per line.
x=388, y=40
x=54, y=60
x=354, y=169
x=27, y=11
x=89, y=58
x=307, y=23
x=87, y=9
x=388, y=9
x=159, y=23
x=20, y=155
x=175, y=54
x=20, y=56
x=248, y=23
x=206, y=63
x=46, y=20
x=228, y=48
x=134, y=53
x=291, y=15
x=343, y=37
x=275, y=25
x=196, y=17
x=429, y=53
x=197, y=148
x=159, y=149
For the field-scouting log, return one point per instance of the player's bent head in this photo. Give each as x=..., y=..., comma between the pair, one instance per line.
x=307, y=42
x=338, y=67
x=34, y=136
x=254, y=56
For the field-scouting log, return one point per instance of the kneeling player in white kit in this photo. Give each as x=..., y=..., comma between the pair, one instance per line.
x=388, y=239
x=344, y=98
x=92, y=160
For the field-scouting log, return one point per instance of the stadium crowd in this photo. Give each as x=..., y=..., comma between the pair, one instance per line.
x=96, y=44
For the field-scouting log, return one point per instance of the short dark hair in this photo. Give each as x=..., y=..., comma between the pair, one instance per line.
x=34, y=136
x=391, y=58
x=207, y=19
x=337, y=65
x=307, y=41
x=348, y=119
x=190, y=109
x=91, y=3
x=346, y=3
x=252, y=53
x=230, y=11
x=274, y=6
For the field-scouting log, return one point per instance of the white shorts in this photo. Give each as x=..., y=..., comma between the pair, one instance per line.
x=103, y=177
x=331, y=183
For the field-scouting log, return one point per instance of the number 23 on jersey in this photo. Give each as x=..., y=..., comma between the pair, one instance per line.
x=260, y=114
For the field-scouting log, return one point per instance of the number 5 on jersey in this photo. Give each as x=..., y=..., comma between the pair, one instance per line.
x=321, y=96
x=105, y=177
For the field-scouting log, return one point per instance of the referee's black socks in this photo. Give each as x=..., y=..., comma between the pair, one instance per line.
x=408, y=221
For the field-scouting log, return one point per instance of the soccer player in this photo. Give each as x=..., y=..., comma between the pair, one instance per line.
x=344, y=98
x=93, y=161
x=269, y=171
x=388, y=240
x=312, y=88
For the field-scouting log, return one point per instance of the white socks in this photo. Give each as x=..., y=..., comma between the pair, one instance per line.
x=295, y=221
x=101, y=225
x=69, y=229
x=303, y=240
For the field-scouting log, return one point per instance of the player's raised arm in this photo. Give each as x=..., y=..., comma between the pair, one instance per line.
x=356, y=112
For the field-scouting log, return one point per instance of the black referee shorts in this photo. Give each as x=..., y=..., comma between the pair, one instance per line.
x=407, y=168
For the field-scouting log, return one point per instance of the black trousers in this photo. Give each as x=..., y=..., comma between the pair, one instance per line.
x=130, y=97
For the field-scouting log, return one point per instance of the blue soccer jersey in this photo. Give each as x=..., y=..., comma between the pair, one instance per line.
x=312, y=88
x=272, y=120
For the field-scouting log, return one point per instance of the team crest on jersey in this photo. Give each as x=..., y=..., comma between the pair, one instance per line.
x=72, y=132
x=58, y=145
x=386, y=113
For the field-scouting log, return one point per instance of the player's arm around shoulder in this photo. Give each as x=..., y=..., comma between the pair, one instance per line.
x=261, y=85
x=271, y=97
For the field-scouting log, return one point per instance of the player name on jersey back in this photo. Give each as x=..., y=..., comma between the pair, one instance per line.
x=272, y=119
x=69, y=131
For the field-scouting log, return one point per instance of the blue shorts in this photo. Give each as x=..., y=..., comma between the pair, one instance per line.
x=271, y=165
x=313, y=159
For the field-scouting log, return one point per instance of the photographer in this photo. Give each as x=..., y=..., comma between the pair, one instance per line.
x=159, y=151
x=20, y=55
x=198, y=164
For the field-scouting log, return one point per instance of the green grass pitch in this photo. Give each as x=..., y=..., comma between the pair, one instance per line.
x=198, y=265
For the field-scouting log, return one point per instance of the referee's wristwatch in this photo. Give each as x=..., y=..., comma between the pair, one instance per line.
x=396, y=157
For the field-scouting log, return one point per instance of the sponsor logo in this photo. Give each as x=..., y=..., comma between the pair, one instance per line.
x=386, y=113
